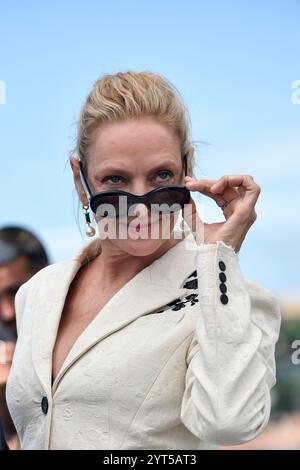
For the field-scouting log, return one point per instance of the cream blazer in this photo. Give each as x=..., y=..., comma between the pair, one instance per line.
x=167, y=364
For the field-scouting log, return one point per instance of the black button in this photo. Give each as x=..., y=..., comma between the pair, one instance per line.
x=223, y=288
x=224, y=299
x=44, y=405
x=222, y=265
x=222, y=277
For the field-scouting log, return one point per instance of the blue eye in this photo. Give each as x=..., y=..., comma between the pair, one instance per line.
x=116, y=179
x=111, y=178
x=165, y=173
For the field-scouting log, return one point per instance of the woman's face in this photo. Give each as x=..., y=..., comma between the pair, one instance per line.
x=137, y=156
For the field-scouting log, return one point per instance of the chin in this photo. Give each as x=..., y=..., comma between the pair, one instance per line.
x=140, y=243
x=140, y=247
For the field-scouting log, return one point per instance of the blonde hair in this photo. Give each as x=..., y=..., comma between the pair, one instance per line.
x=130, y=95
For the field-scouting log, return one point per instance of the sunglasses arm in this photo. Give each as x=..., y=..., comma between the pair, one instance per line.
x=185, y=165
x=84, y=181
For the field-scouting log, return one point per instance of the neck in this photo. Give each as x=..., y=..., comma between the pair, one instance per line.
x=113, y=266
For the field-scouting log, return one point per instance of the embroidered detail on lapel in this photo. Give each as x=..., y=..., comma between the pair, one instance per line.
x=193, y=283
x=178, y=304
x=194, y=274
x=190, y=299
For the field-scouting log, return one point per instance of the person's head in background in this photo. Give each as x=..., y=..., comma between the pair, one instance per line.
x=21, y=256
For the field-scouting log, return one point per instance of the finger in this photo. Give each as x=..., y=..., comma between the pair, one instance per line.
x=204, y=187
x=244, y=184
x=241, y=181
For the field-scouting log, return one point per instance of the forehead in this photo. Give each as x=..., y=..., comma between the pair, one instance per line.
x=139, y=137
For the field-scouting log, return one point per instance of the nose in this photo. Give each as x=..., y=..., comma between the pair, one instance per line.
x=138, y=210
x=140, y=186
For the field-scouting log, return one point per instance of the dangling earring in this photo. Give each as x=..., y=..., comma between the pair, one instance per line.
x=89, y=230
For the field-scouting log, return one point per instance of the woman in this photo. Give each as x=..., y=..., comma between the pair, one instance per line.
x=142, y=341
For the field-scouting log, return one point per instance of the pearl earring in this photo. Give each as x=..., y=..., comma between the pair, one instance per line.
x=89, y=230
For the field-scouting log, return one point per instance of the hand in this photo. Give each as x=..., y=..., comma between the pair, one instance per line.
x=241, y=194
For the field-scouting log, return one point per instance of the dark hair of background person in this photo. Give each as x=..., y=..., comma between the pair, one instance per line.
x=17, y=241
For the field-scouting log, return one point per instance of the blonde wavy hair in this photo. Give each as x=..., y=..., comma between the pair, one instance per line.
x=129, y=95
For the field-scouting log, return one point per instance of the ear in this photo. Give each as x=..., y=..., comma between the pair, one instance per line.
x=77, y=181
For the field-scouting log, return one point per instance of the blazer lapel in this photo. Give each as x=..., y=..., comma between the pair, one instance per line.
x=153, y=287
x=46, y=301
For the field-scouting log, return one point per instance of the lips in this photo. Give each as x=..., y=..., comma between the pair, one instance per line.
x=146, y=226
x=142, y=225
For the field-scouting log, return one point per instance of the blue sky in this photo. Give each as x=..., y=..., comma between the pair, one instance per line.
x=234, y=64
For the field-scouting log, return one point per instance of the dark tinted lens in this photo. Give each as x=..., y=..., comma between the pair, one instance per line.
x=164, y=200
x=105, y=205
x=112, y=205
x=169, y=199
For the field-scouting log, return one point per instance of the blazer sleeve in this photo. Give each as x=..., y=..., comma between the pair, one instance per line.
x=231, y=358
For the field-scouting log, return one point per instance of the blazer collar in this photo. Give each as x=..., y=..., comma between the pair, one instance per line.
x=153, y=287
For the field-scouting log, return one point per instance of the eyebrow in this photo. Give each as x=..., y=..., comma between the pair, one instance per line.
x=120, y=171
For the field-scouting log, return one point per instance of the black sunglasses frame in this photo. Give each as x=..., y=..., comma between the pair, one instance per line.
x=135, y=198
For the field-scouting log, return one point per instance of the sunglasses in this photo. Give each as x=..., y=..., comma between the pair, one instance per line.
x=114, y=203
